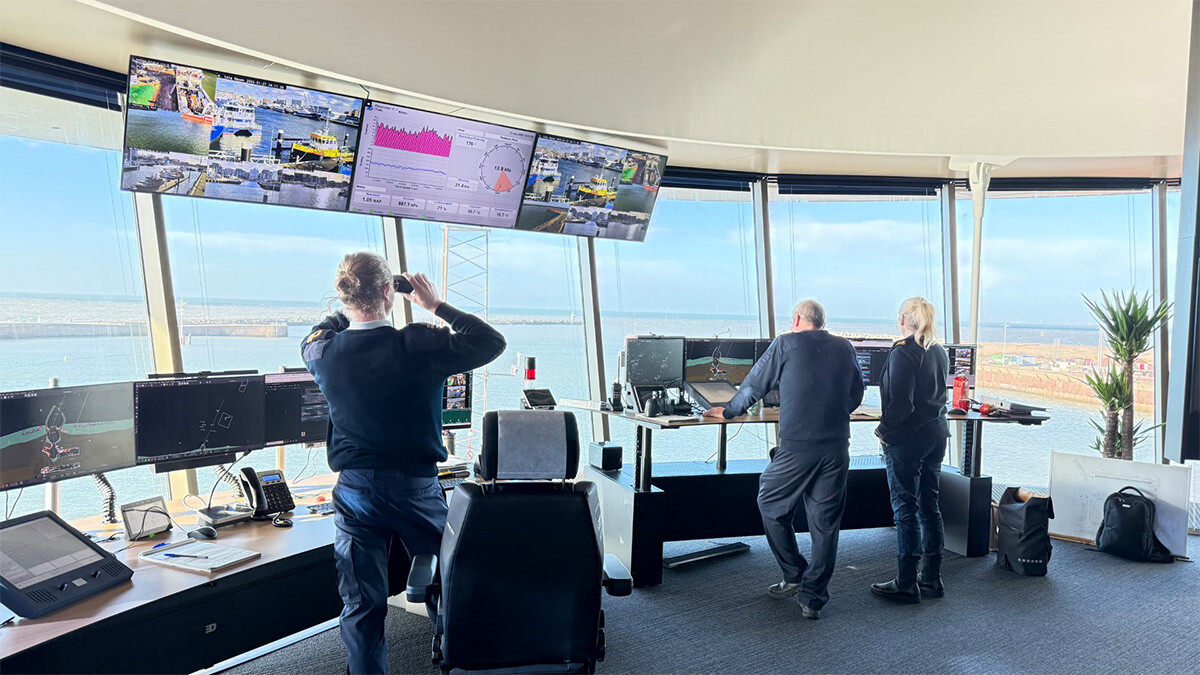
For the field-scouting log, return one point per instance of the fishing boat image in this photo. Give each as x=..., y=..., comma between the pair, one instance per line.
x=543, y=167
x=597, y=192
x=320, y=146
x=236, y=119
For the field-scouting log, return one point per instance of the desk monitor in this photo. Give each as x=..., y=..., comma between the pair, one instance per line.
x=52, y=434
x=872, y=354
x=729, y=359
x=201, y=420
x=295, y=411
x=653, y=360
x=962, y=362
x=456, y=401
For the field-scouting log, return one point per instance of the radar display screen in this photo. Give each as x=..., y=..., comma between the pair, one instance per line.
x=185, y=418
x=52, y=434
x=654, y=361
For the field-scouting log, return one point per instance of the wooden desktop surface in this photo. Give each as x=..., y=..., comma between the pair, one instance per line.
x=152, y=582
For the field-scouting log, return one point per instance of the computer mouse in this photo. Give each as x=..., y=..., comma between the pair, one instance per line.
x=282, y=522
x=203, y=532
x=957, y=411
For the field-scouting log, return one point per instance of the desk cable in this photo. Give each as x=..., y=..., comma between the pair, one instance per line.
x=154, y=509
x=213, y=491
x=8, y=513
x=735, y=434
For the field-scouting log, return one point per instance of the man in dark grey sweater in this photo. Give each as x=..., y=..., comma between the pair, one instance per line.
x=819, y=384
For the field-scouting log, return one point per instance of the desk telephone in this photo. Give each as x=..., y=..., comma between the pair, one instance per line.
x=268, y=493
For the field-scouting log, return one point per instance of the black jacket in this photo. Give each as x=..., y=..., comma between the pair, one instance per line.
x=819, y=382
x=913, y=392
x=384, y=386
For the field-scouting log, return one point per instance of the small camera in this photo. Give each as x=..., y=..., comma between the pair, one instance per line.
x=401, y=284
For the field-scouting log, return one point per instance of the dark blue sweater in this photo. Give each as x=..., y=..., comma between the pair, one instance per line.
x=819, y=383
x=384, y=386
x=913, y=392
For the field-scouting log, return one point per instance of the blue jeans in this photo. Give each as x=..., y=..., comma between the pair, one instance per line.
x=369, y=506
x=913, y=472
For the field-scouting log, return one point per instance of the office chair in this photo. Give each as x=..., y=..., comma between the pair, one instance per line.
x=517, y=584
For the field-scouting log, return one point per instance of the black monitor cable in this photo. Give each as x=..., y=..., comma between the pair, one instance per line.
x=108, y=507
x=8, y=513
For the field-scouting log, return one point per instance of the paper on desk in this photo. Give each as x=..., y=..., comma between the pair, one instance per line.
x=216, y=557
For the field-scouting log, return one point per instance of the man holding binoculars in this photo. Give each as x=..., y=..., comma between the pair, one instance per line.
x=384, y=388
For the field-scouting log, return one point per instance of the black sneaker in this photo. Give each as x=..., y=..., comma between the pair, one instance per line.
x=932, y=588
x=808, y=612
x=783, y=589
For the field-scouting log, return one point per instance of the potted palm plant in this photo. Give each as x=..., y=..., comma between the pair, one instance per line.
x=1128, y=322
x=1114, y=392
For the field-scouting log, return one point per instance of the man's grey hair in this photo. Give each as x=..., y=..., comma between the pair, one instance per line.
x=810, y=311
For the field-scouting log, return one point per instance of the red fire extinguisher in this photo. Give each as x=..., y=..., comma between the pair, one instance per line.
x=960, y=390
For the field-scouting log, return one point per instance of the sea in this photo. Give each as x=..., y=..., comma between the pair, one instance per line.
x=1012, y=454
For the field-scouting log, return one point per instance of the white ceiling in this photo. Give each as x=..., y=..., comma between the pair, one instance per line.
x=1059, y=87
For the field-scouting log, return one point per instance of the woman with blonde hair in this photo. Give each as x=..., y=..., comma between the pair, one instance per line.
x=913, y=431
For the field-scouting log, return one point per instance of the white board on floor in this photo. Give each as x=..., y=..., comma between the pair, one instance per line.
x=1079, y=484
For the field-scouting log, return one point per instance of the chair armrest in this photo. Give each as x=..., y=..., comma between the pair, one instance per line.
x=617, y=580
x=422, y=578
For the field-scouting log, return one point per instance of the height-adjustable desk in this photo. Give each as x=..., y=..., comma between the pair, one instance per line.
x=648, y=504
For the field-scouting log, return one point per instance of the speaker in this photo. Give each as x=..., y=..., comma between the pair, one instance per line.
x=605, y=456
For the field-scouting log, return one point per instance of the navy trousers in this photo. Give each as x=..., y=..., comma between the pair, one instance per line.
x=370, y=506
x=813, y=473
x=914, y=471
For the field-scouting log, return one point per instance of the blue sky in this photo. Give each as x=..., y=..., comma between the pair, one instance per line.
x=65, y=228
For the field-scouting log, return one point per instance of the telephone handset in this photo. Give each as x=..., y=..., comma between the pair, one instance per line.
x=268, y=493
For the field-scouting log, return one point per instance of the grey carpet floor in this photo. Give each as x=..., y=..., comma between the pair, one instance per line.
x=1092, y=614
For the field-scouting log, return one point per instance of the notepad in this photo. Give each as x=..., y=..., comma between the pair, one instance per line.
x=215, y=557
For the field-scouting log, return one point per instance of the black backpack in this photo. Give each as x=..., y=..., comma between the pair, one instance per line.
x=1128, y=528
x=1023, y=539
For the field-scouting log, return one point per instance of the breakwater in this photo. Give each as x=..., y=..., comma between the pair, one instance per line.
x=25, y=330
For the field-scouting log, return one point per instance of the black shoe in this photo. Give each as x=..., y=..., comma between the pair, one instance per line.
x=808, y=612
x=897, y=593
x=783, y=589
x=932, y=588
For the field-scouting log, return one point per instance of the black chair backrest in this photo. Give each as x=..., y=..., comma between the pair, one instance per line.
x=522, y=562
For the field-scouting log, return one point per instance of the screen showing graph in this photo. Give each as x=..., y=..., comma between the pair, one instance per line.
x=202, y=133
x=590, y=189
x=419, y=164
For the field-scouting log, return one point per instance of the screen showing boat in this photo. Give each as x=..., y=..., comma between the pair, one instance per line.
x=203, y=133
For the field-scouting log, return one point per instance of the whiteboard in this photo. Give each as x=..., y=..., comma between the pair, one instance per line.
x=1079, y=484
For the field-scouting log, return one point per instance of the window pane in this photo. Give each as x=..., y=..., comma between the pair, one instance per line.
x=527, y=285
x=250, y=281
x=1042, y=254
x=693, y=276
x=860, y=257
x=71, y=300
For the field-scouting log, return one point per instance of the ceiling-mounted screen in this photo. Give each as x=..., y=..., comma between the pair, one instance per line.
x=203, y=133
x=590, y=189
x=418, y=164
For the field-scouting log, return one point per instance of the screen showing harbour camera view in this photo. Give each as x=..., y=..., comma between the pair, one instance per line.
x=962, y=362
x=589, y=189
x=729, y=360
x=872, y=355
x=456, y=402
x=52, y=434
x=296, y=410
x=202, y=133
x=180, y=419
x=418, y=164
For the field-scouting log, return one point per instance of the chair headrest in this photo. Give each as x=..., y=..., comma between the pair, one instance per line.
x=529, y=445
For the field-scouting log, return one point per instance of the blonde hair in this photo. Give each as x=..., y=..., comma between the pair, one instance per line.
x=919, y=314
x=809, y=311
x=360, y=280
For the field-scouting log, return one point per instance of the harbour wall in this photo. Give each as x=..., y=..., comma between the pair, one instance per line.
x=27, y=330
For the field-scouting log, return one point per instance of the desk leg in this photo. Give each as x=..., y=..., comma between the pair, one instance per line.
x=970, y=450
x=723, y=448
x=644, y=457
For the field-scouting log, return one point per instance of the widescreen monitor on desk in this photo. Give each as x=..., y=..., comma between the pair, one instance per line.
x=295, y=411
x=52, y=434
x=715, y=359
x=199, y=421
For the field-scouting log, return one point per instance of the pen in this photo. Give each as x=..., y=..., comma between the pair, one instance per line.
x=184, y=555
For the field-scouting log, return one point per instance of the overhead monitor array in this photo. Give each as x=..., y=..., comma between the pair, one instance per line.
x=204, y=133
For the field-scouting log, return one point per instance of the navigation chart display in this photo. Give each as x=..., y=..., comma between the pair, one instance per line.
x=185, y=418
x=202, y=133
x=419, y=164
x=52, y=434
x=590, y=189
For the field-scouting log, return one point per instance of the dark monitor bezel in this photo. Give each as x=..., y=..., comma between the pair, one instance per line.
x=275, y=443
x=753, y=342
x=974, y=373
x=192, y=459
x=663, y=383
x=470, y=402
